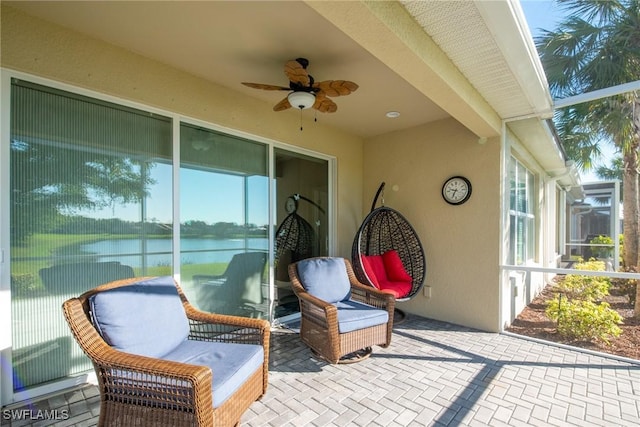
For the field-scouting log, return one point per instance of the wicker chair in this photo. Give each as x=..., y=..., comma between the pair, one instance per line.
x=385, y=233
x=214, y=374
x=338, y=324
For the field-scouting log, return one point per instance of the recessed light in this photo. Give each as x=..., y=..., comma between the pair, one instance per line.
x=392, y=114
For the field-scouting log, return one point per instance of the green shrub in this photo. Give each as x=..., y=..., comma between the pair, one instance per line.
x=577, y=311
x=590, y=288
x=602, y=251
x=584, y=320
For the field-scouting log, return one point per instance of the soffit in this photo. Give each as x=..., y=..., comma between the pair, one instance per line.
x=227, y=42
x=497, y=55
x=479, y=77
x=494, y=51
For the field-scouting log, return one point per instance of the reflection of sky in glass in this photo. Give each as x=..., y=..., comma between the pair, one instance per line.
x=205, y=196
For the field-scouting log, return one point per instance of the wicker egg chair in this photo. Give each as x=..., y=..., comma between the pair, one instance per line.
x=295, y=234
x=385, y=230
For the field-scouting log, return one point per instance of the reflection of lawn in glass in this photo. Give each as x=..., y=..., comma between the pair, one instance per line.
x=28, y=259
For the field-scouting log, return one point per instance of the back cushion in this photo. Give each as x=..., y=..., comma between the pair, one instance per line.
x=374, y=267
x=325, y=278
x=394, y=268
x=145, y=318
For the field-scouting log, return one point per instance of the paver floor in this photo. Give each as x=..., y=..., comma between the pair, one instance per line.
x=433, y=374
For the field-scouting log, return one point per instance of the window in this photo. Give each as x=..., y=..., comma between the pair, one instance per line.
x=90, y=202
x=522, y=219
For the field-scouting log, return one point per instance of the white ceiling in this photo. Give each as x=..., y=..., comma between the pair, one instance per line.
x=227, y=42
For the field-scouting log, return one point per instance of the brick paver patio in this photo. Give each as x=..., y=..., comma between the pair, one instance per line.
x=433, y=374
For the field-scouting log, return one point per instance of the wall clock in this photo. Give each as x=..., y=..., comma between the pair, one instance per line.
x=456, y=190
x=291, y=205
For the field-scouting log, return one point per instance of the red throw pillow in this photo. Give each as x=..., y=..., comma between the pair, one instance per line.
x=374, y=267
x=394, y=269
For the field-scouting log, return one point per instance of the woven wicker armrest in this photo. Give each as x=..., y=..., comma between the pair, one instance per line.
x=225, y=319
x=372, y=296
x=310, y=299
x=207, y=326
x=318, y=311
x=146, y=380
x=215, y=324
x=232, y=329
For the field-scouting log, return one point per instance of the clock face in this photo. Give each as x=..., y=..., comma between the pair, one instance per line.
x=290, y=205
x=456, y=190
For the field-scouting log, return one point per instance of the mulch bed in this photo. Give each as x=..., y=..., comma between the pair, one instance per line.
x=533, y=322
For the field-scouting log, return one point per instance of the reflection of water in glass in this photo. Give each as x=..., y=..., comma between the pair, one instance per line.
x=159, y=251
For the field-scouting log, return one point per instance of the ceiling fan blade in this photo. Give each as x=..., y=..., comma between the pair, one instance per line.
x=265, y=87
x=336, y=87
x=324, y=104
x=282, y=105
x=296, y=73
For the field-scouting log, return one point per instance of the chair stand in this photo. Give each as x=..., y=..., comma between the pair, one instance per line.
x=347, y=359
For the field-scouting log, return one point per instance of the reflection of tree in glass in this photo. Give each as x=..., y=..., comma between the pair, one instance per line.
x=118, y=181
x=48, y=181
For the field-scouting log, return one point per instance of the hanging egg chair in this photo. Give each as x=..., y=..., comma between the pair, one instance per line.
x=387, y=253
x=295, y=234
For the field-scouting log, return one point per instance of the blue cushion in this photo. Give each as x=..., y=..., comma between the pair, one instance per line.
x=353, y=315
x=325, y=278
x=146, y=318
x=232, y=364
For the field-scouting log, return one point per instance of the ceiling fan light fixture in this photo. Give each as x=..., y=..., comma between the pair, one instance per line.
x=301, y=100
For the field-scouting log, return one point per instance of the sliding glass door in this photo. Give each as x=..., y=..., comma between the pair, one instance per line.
x=224, y=209
x=302, y=199
x=91, y=200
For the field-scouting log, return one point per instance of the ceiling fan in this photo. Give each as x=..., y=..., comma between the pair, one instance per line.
x=305, y=92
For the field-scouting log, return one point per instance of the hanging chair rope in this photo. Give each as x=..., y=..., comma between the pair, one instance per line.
x=385, y=229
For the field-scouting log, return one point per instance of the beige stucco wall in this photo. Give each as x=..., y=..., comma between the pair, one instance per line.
x=461, y=243
x=33, y=46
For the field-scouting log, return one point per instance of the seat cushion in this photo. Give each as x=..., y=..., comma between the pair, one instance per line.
x=145, y=318
x=232, y=364
x=397, y=289
x=353, y=315
x=325, y=278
